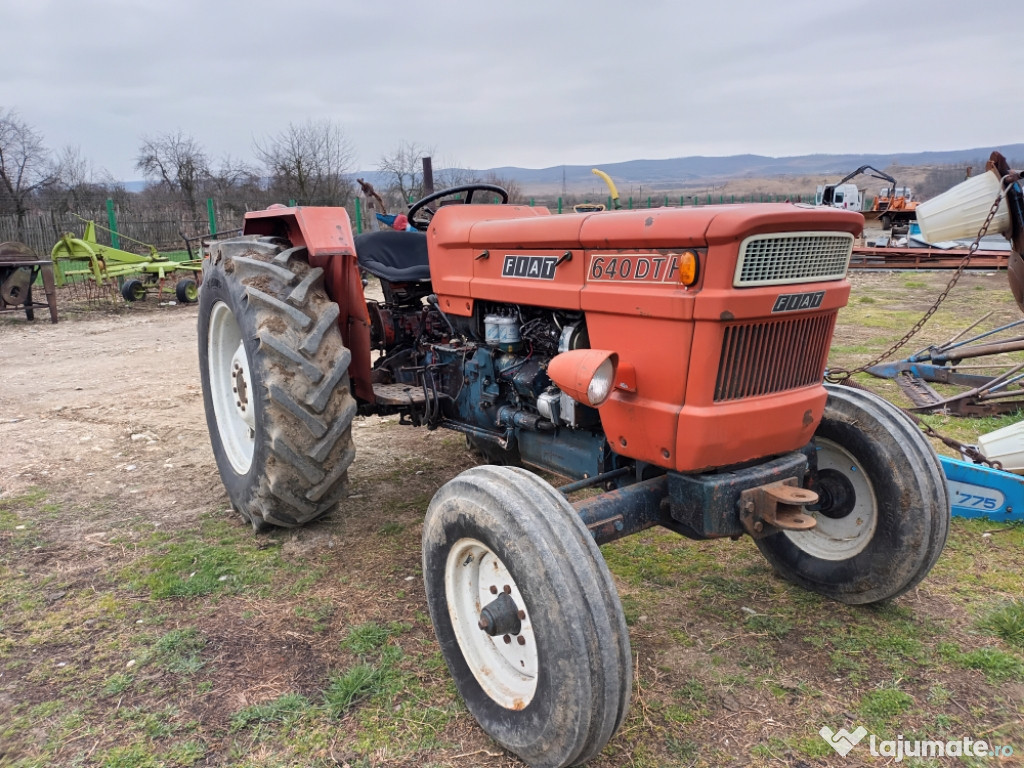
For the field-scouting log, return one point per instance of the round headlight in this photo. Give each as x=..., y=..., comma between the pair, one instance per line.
x=601, y=384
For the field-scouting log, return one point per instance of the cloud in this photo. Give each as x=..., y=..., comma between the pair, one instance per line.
x=528, y=83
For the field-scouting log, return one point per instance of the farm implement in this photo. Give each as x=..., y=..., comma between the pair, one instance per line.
x=84, y=260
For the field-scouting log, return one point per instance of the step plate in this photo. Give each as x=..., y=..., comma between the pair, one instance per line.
x=398, y=394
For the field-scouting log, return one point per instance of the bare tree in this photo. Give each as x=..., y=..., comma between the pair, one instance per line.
x=79, y=186
x=308, y=163
x=513, y=187
x=453, y=174
x=234, y=183
x=177, y=161
x=26, y=166
x=403, y=171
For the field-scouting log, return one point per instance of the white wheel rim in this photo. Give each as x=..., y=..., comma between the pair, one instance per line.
x=507, y=671
x=847, y=536
x=231, y=388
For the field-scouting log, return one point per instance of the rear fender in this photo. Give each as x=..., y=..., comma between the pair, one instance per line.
x=327, y=235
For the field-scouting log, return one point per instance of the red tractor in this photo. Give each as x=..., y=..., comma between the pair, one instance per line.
x=671, y=358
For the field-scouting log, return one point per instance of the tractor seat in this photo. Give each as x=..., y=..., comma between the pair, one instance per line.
x=398, y=257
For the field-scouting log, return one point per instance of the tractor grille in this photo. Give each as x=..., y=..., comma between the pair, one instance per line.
x=773, y=356
x=794, y=257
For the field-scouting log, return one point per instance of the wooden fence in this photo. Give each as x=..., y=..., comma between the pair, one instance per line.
x=163, y=228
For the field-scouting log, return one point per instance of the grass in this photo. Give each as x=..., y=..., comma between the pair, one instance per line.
x=200, y=644
x=1007, y=622
x=215, y=559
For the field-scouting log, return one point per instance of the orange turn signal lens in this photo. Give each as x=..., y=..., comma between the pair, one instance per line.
x=688, y=268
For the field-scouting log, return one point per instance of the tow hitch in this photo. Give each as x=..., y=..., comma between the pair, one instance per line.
x=781, y=505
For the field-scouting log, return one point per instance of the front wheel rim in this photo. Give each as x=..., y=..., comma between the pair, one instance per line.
x=231, y=388
x=505, y=666
x=840, y=538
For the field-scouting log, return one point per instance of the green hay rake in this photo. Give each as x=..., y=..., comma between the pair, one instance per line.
x=82, y=260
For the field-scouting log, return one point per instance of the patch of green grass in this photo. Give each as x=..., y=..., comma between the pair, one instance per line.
x=347, y=688
x=770, y=625
x=914, y=284
x=391, y=528
x=369, y=637
x=884, y=704
x=996, y=665
x=285, y=709
x=217, y=558
x=631, y=608
x=117, y=684
x=178, y=651
x=156, y=725
x=134, y=756
x=1006, y=622
x=185, y=754
x=637, y=562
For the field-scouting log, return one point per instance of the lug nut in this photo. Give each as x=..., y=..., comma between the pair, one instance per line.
x=508, y=640
x=522, y=615
x=521, y=640
x=494, y=590
x=508, y=589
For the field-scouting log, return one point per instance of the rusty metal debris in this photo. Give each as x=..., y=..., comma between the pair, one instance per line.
x=985, y=394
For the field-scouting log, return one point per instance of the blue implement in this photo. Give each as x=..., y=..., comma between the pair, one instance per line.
x=979, y=491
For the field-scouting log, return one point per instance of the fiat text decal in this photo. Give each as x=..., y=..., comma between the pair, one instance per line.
x=533, y=267
x=792, y=302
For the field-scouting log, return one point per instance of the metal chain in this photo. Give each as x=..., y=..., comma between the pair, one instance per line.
x=970, y=451
x=841, y=375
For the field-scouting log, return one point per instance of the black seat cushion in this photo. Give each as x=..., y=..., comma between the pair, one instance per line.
x=398, y=257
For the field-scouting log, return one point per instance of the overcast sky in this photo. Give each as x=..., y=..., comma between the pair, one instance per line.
x=519, y=82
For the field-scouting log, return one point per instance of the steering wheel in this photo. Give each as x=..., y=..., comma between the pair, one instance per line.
x=469, y=189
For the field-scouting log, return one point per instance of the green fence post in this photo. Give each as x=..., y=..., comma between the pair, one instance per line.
x=609, y=206
x=648, y=201
x=531, y=202
x=681, y=203
x=359, y=216
x=115, y=241
x=631, y=202
x=212, y=215
x=291, y=203
x=559, y=205
x=666, y=201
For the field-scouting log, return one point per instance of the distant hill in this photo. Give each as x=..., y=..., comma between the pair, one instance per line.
x=676, y=172
x=682, y=169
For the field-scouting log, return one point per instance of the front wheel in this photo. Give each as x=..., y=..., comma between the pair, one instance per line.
x=527, y=615
x=275, y=382
x=883, y=511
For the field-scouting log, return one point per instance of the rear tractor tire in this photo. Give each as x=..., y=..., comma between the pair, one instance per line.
x=883, y=512
x=527, y=616
x=275, y=382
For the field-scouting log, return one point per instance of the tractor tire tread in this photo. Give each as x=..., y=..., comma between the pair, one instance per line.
x=308, y=409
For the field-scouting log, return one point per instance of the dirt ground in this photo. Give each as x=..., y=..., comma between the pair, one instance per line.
x=104, y=413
